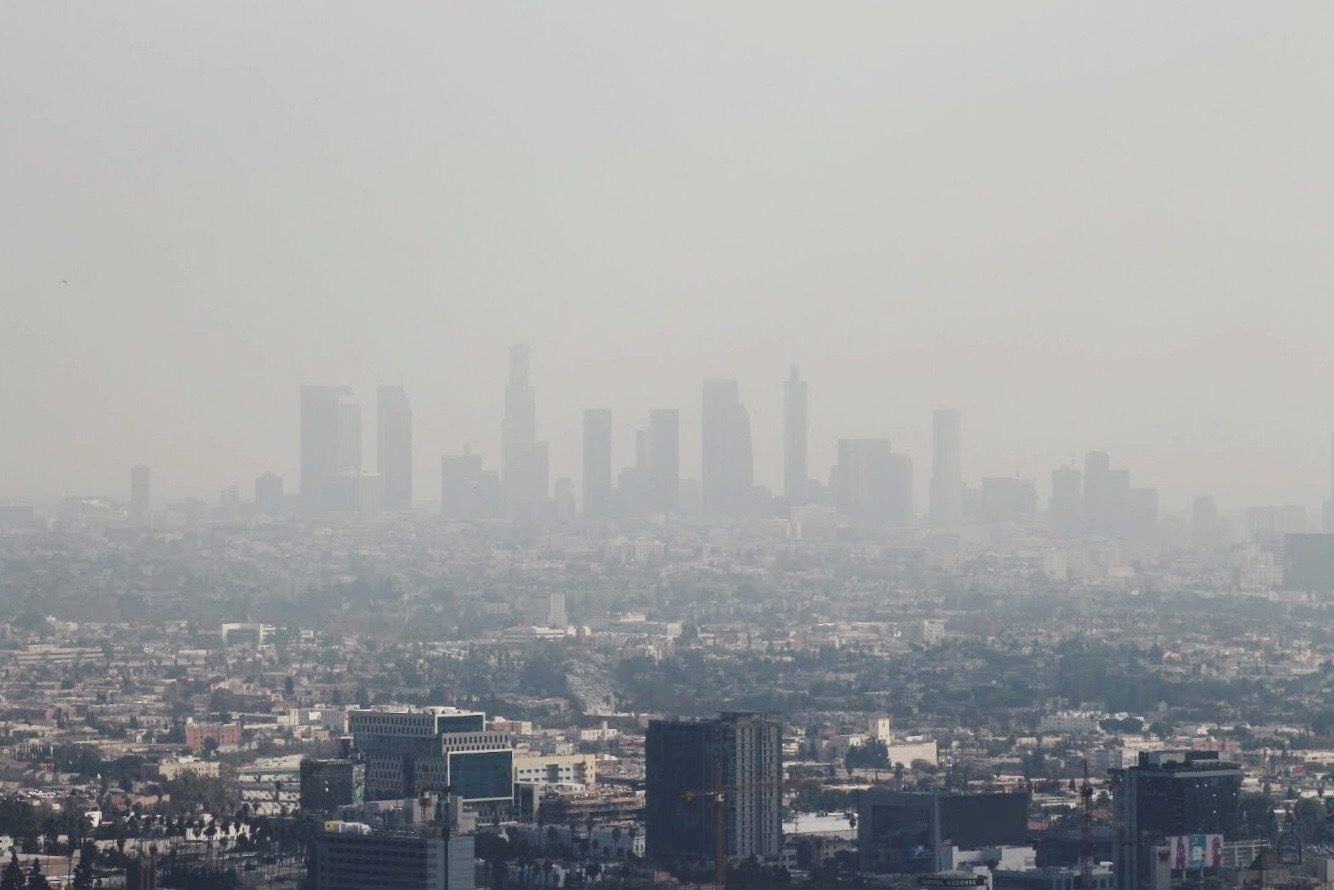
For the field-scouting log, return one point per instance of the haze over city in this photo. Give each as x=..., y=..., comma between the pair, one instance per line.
x=1085, y=227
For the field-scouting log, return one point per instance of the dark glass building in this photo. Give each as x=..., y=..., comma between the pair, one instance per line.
x=1171, y=794
x=903, y=832
x=740, y=752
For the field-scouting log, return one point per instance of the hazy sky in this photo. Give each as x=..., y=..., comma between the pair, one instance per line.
x=1084, y=225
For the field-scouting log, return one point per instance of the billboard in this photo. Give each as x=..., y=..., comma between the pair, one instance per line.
x=1195, y=851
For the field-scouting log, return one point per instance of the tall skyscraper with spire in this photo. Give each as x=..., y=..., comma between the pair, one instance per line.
x=947, y=469
x=794, y=439
x=393, y=453
x=727, y=467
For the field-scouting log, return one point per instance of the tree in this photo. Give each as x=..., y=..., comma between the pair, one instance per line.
x=83, y=872
x=37, y=880
x=12, y=879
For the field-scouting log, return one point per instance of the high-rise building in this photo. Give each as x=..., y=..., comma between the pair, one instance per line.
x=727, y=467
x=1106, y=495
x=597, y=462
x=1327, y=511
x=519, y=425
x=795, y=437
x=740, y=752
x=1205, y=525
x=527, y=482
x=1170, y=794
x=1008, y=499
x=663, y=460
x=393, y=454
x=330, y=440
x=140, y=504
x=872, y=484
x=432, y=749
x=269, y=494
x=467, y=491
x=1066, y=510
x=947, y=469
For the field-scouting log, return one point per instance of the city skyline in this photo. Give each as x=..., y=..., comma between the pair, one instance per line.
x=1049, y=245
x=357, y=447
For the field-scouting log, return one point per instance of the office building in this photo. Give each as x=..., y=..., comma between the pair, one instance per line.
x=526, y=482
x=684, y=759
x=947, y=468
x=1327, y=511
x=393, y=453
x=727, y=468
x=330, y=440
x=436, y=749
x=597, y=463
x=269, y=494
x=663, y=446
x=353, y=856
x=519, y=425
x=1066, y=510
x=1308, y=562
x=911, y=832
x=1170, y=794
x=795, y=439
x=140, y=504
x=467, y=491
x=327, y=785
x=1008, y=499
x=872, y=484
x=1106, y=495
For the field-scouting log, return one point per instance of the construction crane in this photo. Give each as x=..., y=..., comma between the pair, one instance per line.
x=718, y=794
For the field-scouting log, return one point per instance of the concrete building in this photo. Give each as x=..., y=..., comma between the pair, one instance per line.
x=352, y=856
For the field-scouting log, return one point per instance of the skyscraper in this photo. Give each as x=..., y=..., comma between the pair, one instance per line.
x=872, y=483
x=664, y=459
x=1066, y=507
x=946, y=469
x=794, y=439
x=528, y=482
x=269, y=494
x=140, y=505
x=597, y=462
x=393, y=453
x=684, y=759
x=727, y=470
x=467, y=491
x=1170, y=794
x=520, y=422
x=1327, y=511
x=330, y=439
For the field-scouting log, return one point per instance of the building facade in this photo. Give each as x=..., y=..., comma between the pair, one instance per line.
x=739, y=752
